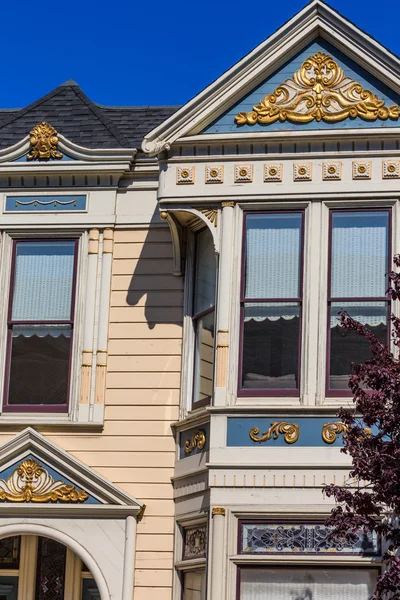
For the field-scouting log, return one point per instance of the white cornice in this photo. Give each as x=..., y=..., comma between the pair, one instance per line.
x=315, y=19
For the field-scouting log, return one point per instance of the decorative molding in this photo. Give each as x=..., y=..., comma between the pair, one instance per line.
x=44, y=143
x=243, y=173
x=195, y=542
x=302, y=171
x=211, y=214
x=185, y=175
x=30, y=482
x=273, y=172
x=218, y=510
x=290, y=431
x=319, y=91
x=330, y=431
x=390, y=169
x=198, y=440
x=228, y=204
x=362, y=170
x=214, y=174
x=331, y=171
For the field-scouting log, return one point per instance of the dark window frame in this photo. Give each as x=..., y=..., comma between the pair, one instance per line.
x=276, y=392
x=38, y=408
x=331, y=393
x=195, y=317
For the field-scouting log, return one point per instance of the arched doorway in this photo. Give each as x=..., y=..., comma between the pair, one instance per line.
x=39, y=568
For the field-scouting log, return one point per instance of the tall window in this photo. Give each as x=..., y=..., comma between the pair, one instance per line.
x=271, y=300
x=203, y=318
x=359, y=263
x=40, y=325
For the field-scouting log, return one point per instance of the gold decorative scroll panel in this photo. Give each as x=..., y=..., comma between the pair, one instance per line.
x=30, y=482
x=319, y=91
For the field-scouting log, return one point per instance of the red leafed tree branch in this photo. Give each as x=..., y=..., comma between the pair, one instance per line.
x=372, y=502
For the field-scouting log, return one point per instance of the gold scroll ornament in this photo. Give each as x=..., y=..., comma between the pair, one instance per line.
x=198, y=440
x=290, y=431
x=330, y=431
x=319, y=90
x=30, y=482
x=44, y=142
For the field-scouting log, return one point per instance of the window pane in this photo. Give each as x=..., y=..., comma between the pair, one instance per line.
x=316, y=583
x=204, y=358
x=271, y=345
x=39, y=364
x=90, y=590
x=359, y=242
x=273, y=246
x=347, y=346
x=8, y=588
x=205, y=272
x=43, y=278
x=50, y=575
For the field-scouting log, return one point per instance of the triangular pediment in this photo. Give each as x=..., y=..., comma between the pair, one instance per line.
x=35, y=471
x=277, y=86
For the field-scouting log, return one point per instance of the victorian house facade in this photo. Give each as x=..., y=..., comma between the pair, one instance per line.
x=171, y=363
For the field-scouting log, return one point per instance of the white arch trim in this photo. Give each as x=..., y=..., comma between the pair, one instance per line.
x=25, y=528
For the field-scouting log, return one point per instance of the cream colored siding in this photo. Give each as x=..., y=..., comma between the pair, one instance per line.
x=136, y=450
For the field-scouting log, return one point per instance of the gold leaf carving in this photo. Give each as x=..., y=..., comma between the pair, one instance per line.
x=330, y=431
x=319, y=90
x=44, y=142
x=290, y=432
x=211, y=214
x=198, y=440
x=30, y=482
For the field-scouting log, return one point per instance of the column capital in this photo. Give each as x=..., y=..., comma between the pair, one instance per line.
x=230, y=204
x=218, y=510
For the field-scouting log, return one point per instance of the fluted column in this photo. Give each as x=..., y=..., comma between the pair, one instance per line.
x=87, y=352
x=217, y=554
x=224, y=304
x=102, y=338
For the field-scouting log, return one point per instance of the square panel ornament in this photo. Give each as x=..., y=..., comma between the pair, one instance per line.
x=302, y=172
x=273, y=172
x=331, y=171
x=214, y=174
x=184, y=175
x=362, y=170
x=243, y=173
x=391, y=169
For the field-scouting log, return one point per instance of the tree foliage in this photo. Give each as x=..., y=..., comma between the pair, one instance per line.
x=371, y=501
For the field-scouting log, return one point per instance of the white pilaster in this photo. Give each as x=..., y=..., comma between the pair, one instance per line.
x=217, y=553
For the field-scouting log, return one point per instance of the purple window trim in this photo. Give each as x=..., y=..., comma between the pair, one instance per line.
x=38, y=408
x=195, y=316
x=263, y=393
x=347, y=393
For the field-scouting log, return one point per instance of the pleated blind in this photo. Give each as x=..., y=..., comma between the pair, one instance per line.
x=43, y=281
x=359, y=254
x=273, y=245
x=205, y=272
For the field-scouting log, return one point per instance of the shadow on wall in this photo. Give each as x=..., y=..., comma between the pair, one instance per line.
x=153, y=289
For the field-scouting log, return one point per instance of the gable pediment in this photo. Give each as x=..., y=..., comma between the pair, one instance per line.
x=320, y=88
x=35, y=471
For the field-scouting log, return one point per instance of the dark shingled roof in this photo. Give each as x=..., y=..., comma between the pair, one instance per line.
x=82, y=121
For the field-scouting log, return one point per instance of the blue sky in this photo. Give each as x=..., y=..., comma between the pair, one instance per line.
x=137, y=52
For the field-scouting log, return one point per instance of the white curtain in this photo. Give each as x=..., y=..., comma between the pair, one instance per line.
x=259, y=311
x=205, y=272
x=359, y=254
x=367, y=313
x=43, y=281
x=41, y=330
x=273, y=255
x=306, y=583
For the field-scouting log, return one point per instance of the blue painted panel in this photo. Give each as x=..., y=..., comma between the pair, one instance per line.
x=45, y=203
x=226, y=123
x=6, y=473
x=187, y=436
x=310, y=431
x=43, y=160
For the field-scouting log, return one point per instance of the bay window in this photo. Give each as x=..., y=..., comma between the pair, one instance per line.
x=358, y=280
x=271, y=303
x=40, y=325
x=203, y=318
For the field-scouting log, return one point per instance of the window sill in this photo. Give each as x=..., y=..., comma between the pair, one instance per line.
x=43, y=420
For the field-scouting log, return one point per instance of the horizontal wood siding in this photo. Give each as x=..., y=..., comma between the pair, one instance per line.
x=136, y=449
